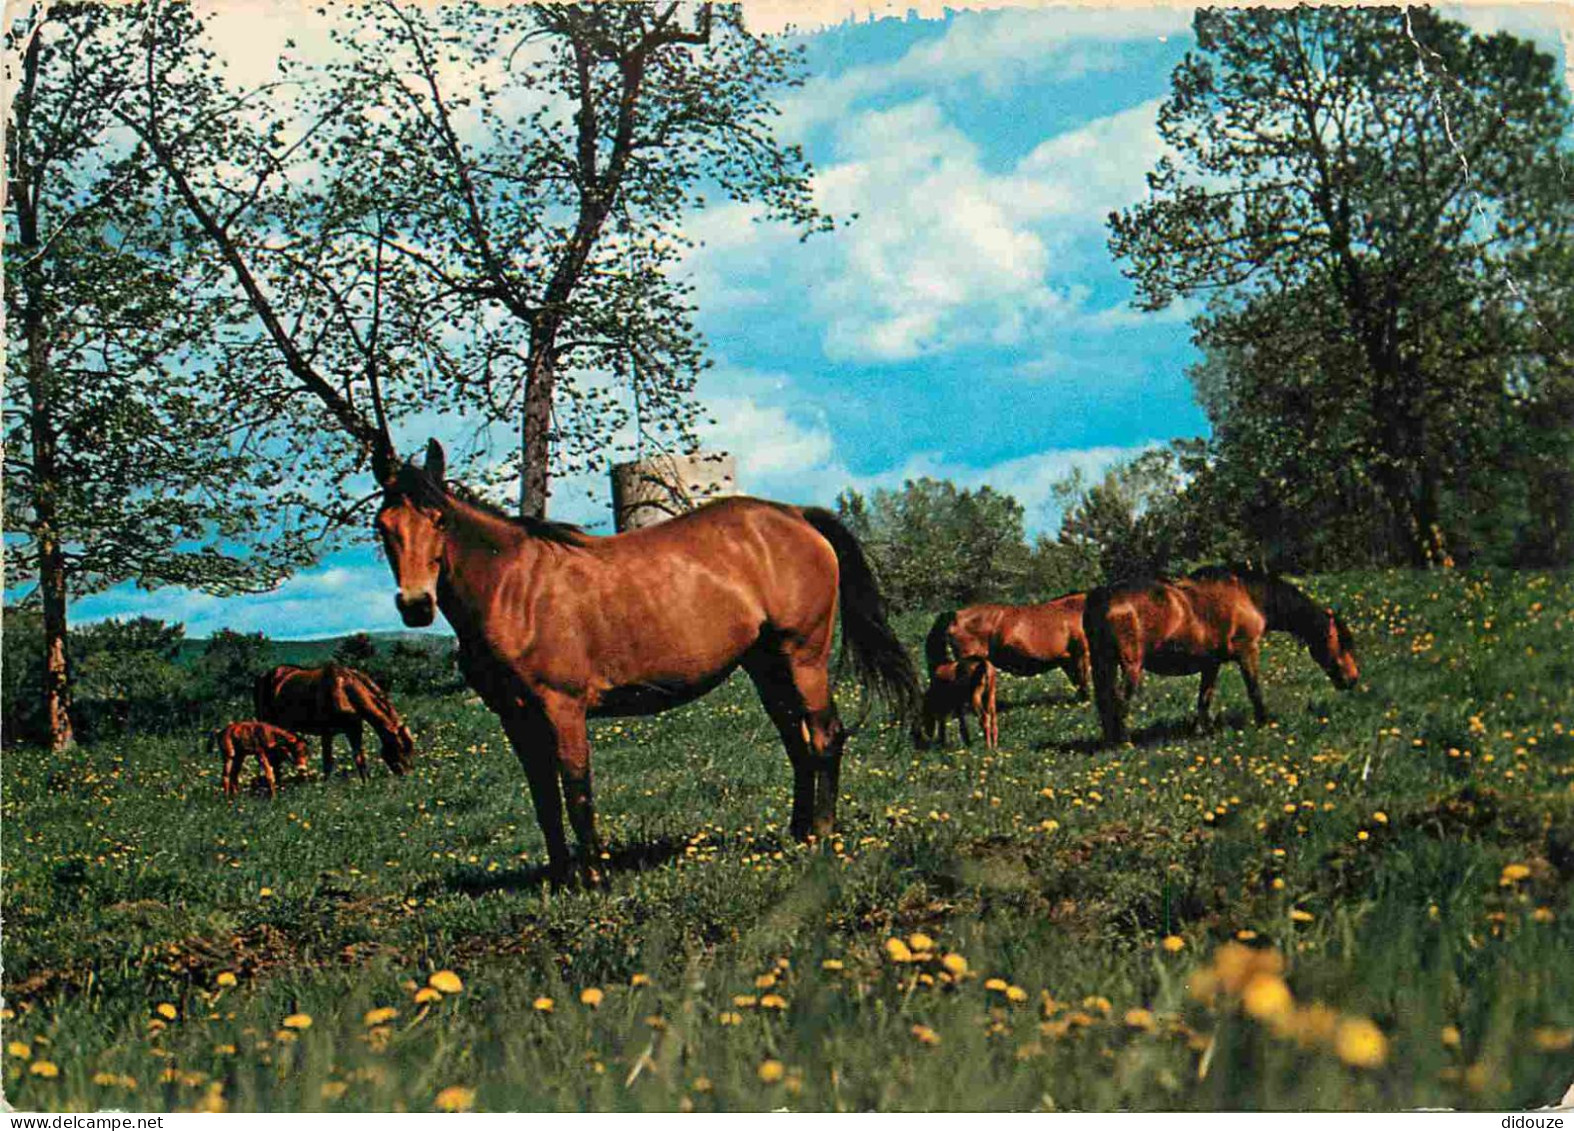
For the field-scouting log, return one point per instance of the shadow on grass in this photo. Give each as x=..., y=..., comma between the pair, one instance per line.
x=1042, y=699
x=1154, y=734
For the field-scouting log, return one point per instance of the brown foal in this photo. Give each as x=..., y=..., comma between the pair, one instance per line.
x=272, y=747
x=954, y=689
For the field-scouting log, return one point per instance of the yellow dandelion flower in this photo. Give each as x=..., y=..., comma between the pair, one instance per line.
x=898, y=951
x=1016, y=993
x=543, y=1005
x=265, y=892
x=446, y=981
x=702, y=1084
x=1360, y=1043
x=225, y=979
x=1266, y=997
x=44, y=1068
x=1543, y=915
x=455, y=1098
x=954, y=964
x=1300, y=916
x=765, y=981
x=1450, y=1036
x=590, y=996
x=1380, y=817
x=298, y=1021
x=639, y=980
x=925, y=1035
x=832, y=964
x=379, y=1016
x=773, y=1001
x=427, y=994
x=729, y=1018
x=1548, y=1039
x=333, y=1089
x=997, y=984
x=167, y=1011
x=745, y=1001
x=771, y=1071
x=1140, y=1019
x=919, y=941
x=1513, y=873
x=19, y=1050
x=1173, y=943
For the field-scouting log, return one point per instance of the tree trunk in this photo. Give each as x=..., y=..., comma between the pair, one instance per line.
x=535, y=428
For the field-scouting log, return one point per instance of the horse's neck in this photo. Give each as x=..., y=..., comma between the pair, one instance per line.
x=477, y=545
x=1287, y=609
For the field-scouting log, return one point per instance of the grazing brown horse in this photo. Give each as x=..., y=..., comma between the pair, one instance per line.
x=272, y=746
x=555, y=625
x=954, y=688
x=1193, y=626
x=334, y=700
x=1017, y=639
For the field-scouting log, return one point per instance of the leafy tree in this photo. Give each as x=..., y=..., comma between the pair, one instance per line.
x=118, y=464
x=231, y=662
x=935, y=545
x=1120, y=518
x=1378, y=196
x=127, y=677
x=541, y=200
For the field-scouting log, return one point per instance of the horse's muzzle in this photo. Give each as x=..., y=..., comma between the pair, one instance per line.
x=417, y=612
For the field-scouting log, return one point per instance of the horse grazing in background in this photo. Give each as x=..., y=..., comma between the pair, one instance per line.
x=555, y=625
x=1196, y=624
x=954, y=688
x=1017, y=639
x=272, y=747
x=331, y=700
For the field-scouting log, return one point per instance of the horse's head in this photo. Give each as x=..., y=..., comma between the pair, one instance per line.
x=399, y=749
x=295, y=748
x=1332, y=648
x=411, y=525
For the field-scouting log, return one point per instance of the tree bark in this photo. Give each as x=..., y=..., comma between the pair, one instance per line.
x=42, y=435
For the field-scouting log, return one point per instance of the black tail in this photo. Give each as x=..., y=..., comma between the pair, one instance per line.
x=937, y=645
x=876, y=655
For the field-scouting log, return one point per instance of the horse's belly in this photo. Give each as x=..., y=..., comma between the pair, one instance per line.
x=653, y=697
x=1177, y=663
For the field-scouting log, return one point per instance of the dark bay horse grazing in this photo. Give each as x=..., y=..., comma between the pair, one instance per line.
x=334, y=700
x=1017, y=639
x=1193, y=626
x=954, y=689
x=555, y=625
x=272, y=747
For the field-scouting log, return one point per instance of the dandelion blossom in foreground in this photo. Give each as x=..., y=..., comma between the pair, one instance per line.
x=1513, y=873
x=446, y=981
x=165, y=1010
x=897, y=950
x=591, y=996
x=225, y=979
x=455, y=1098
x=1266, y=997
x=44, y=1068
x=298, y=1021
x=1173, y=943
x=771, y=1071
x=1361, y=1043
x=543, y=1005
x=955, y=965
x=379, y=1016
x=427, y=994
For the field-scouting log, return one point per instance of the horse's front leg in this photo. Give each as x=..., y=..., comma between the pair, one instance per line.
x=327, y=754
x=1210, y=680
x=535, y=746
x=265, y=764
x=1248, y=661
x=566, y=716
x=358, y=748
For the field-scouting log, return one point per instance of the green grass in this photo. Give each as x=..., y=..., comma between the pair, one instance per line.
x=1057, y=867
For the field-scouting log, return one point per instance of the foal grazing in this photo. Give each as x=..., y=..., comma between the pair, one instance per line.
x=954, y=688
x=334, y=700
x=1017, y=639
x=555, y=625
x=270, y=745
x=1196, y=624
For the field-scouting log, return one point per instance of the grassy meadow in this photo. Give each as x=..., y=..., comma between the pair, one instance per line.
x=1363, y=905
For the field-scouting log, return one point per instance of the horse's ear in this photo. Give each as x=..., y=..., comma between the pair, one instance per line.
x=382, y=465
x=436, y=461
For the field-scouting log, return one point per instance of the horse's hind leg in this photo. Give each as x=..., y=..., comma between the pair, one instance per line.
x=327, y=754
x=536, y=748
x=772, y=678
x=797, y=695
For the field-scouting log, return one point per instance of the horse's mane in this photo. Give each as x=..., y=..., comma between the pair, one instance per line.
x=1269, y=587
x=425, y=489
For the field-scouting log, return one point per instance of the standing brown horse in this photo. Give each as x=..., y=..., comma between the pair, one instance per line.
x=272, y=747
x=334, y=700
x=1196, y=624
x=555, y=625
x=1018, y=639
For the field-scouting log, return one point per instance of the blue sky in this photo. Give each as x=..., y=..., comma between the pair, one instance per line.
x=969, y=323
